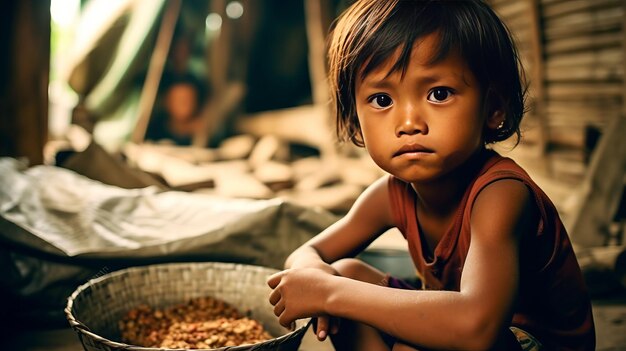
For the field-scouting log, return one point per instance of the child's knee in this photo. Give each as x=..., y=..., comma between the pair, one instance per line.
x=398, y=346
x=349, y=267
x=356, y=269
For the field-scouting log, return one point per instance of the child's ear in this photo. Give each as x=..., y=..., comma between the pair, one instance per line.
x=496, y=120
x=495, y=110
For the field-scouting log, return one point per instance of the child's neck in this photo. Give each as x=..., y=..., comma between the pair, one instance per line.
x=438, y=201
x=441, y=197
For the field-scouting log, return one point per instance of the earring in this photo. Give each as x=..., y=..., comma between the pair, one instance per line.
x=500, y=126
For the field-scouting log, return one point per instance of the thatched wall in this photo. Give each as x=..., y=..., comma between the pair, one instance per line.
x=574, y=54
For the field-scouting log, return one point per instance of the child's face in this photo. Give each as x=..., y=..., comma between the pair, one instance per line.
x=181, y=101
x=425, y=124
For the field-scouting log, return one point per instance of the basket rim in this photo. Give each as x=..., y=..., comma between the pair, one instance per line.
x=82, y=329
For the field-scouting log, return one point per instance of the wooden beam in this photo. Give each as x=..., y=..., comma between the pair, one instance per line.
x=225, y=95
x=155, y=70
x=316, y=35
x=576, y=6
x=582, y=23
x=585, y=42
x=219, y=51
x=538, y=74
x=317, y=18
x=25, y=64
x=624, y=56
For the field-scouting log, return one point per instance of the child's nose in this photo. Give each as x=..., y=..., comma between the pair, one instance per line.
x=411, y=123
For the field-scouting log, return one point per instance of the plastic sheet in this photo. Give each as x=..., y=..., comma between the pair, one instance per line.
x=59, y=229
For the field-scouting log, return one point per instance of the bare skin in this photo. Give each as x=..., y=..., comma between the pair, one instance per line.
x=181, y=102
x=435, y=116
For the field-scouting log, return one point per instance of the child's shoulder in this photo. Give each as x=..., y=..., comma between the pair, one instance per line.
x=497, y=167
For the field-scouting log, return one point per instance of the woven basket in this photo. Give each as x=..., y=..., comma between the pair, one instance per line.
x=95, y=308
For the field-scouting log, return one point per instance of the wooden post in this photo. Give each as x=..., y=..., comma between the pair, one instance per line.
x=155, y=70
x=217, y=55
x=538, y=78
x=24, y=78
x=624, y=58
x=219, y=51
x=314, y=14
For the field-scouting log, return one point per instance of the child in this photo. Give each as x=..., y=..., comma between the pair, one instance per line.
x=425, y=86
x=180, y=119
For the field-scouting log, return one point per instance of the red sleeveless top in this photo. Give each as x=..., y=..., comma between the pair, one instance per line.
x=553, y=304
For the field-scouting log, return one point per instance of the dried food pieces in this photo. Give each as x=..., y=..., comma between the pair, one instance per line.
x=204, y=322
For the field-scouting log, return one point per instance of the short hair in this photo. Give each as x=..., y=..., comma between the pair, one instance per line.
x=371, y=31
x=172, y=79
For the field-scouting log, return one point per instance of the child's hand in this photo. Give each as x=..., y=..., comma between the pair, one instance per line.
x=318, y=265
x=299, y=293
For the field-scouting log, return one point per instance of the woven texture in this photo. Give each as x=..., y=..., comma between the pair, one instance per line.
x=95, y=308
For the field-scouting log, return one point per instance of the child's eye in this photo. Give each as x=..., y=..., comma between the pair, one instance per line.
x=380, y=101
x=439, y=95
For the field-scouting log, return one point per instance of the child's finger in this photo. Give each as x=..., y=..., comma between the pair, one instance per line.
x=279, y=309
x=274, y=297
x=322, y=327
x=274, y=279
x=287, y=323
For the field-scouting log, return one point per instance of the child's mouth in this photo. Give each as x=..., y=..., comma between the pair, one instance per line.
x=412, y=150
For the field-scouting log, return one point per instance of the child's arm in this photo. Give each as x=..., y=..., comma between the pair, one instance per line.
x=473, y=318
x=367, y=219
